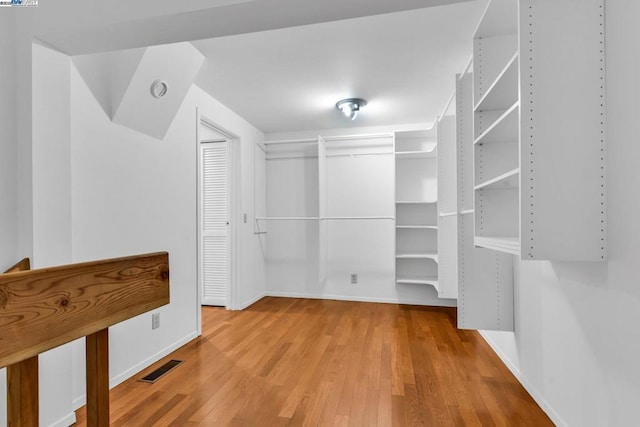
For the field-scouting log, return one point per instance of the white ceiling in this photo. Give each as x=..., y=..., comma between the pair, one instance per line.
x=93, y=26
x=289, y=79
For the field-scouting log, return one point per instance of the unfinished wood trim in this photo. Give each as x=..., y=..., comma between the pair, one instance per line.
x=21, y=265
x=22, y=393
x=22, y=381
x=43, y=309
x=97, y=352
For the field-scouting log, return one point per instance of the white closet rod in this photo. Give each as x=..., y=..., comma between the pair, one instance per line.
x=315, y=218
x=287, y=218
x=329, y=138
x=355, y=217
x=443, y=214
x=292, y=141
x=331, y=155
x=466, y=212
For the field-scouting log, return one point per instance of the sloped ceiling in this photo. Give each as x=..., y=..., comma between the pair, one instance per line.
x=94, y=26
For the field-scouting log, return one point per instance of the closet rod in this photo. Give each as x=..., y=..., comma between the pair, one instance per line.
x=355, y=217
x=287, y=218
x=467, y=212
x=292, y=141
x=390, y=153
x=443, y=214
x=329, y=138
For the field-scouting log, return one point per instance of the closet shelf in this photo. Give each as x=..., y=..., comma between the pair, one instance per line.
x=433, y=281
x=504, y=90
x=504, y=129
x=415, y=202
x=432, y=256
x=416, y=154
x=502, y=244
x=418, y=227
x=506, y=180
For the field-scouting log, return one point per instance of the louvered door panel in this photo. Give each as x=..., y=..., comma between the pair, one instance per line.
x=215, y=270
x=215, y=239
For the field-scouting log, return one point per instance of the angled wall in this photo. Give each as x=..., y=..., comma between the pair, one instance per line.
x=132, y=102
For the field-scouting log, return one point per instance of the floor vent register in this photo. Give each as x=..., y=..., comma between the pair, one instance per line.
x=161, y=371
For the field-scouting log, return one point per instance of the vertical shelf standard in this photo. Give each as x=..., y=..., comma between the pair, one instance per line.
x=447, y=207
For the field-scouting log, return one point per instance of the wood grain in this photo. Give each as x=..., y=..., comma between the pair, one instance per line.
x=22, y=378
x=22, y=393
x=42, y=309
x=293, y=362
x=22, y=265
x=97, y=378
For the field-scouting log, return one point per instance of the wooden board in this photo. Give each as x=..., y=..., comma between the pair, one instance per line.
x=23, y=265
x=22, y=381
x=42, y=309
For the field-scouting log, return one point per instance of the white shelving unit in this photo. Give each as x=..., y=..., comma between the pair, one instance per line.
x=539, y=130
x=485, y=276
x=416, y=208
x=496, y=114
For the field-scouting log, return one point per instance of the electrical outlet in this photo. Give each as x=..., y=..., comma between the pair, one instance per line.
x=354, y=278
x=155, y=320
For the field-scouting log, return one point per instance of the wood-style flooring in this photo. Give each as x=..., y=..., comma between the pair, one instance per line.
x=293, y=362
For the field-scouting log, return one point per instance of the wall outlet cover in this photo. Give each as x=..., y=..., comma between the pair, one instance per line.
x=155, y=321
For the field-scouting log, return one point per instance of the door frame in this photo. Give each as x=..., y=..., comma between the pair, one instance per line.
x=233, y=173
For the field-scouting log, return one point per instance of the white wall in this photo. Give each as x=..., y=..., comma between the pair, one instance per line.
x=8, y=146
x=51, y=180
x=8, y=158
x=126, y=193
x=133, y=194
x=576, y=342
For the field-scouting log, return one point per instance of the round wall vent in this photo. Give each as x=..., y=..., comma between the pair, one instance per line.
x=159, y=88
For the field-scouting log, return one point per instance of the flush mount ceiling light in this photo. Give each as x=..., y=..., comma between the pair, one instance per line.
x=351, y=106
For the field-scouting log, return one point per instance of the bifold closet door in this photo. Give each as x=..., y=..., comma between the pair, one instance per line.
x=215, y=223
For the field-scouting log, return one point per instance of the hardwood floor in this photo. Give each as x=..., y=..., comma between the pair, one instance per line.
x=317, y=363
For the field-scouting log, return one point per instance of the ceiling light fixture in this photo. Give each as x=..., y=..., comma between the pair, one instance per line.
x=351, y=106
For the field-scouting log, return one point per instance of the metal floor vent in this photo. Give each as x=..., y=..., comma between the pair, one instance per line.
x=160, y=372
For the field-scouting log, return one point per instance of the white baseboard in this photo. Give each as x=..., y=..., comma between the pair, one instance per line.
x=253, y=300
x=82, y=400
x=544, y=405
x=65, y=421
x=435, y=302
